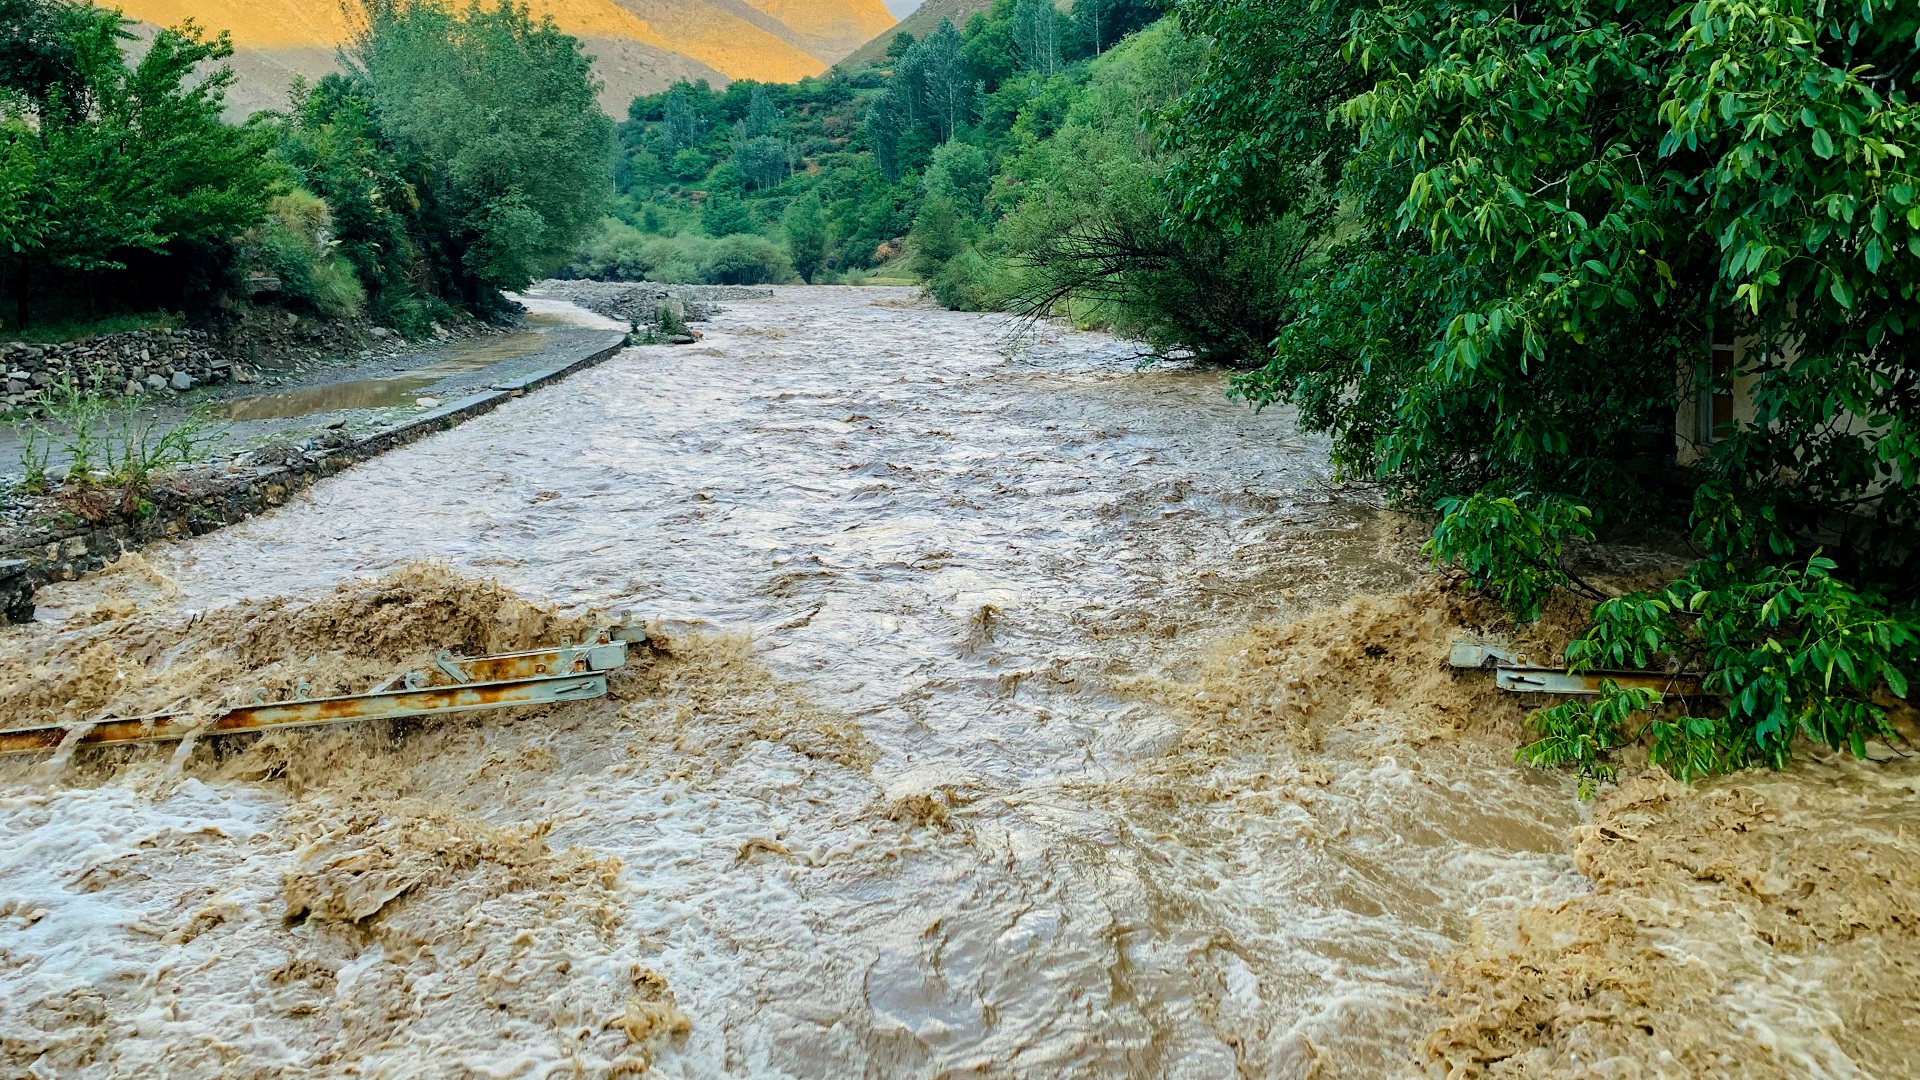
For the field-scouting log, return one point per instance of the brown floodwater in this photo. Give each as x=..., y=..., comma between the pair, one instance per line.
x=1005, y=573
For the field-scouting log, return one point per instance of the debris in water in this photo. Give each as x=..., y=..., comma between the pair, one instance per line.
x=538, y=677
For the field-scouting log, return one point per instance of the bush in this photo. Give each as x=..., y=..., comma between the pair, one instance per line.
x=745, y=259
x=295, y=244
x=619, y=252
x=968, y=282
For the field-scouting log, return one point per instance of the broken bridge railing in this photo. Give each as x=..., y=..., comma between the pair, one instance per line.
x=452, y=685
x=1511, y=672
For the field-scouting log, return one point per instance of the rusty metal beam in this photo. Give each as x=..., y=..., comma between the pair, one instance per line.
x=453, y=684
x=426, y=701
x=605, y=654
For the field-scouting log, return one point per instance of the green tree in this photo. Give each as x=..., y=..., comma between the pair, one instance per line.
x=963, y=174
x=682, y=122
x=501, y=111
x=947, y=82
x=725, y=213
x=124, y=180
x=762, y=156
x=1553, y=211
x=1036, y=32
x=330, y=137
x=805, y=223
x=935, y=238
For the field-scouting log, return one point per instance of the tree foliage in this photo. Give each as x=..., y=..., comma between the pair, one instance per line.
x=1544, y=216
x=500, y=112
x=117, y=178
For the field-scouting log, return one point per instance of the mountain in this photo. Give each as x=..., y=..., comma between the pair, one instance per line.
x=639, y=46
x=922, y=22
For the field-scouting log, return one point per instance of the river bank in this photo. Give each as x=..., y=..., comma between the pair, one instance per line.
x=253, y=446
x=1015, y=713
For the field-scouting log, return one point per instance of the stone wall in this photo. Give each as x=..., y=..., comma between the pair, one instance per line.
x=137, y=361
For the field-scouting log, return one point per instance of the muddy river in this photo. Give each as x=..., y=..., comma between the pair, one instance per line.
x=988, y=741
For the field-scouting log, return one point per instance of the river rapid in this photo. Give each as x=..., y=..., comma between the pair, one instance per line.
x=983, y=743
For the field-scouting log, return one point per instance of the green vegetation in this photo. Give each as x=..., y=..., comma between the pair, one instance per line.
x=1488, y=249
x=835, y=173
x=494, y=118
x=462, y=155
x=120, y=187
x=1540, y=221
x=109, y=449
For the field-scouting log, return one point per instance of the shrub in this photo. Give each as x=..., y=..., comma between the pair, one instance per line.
x=295, y=244
x=745, y=259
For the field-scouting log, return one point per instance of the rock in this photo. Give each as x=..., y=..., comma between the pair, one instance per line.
x=155, y=382
x=380, y=332
x=182, y=381
x=680, y=339
x=427, y=402
x=336, y=425
x=132, y=388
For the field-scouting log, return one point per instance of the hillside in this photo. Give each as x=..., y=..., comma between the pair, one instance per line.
x=640, y=46
x=919, y=24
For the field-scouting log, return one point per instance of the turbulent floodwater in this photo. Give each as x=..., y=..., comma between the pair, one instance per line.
x=962, y=761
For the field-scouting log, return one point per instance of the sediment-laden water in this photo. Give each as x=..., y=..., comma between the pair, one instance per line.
x=1014, y=716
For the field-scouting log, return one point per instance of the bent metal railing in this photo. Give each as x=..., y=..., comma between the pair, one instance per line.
x=452, y=685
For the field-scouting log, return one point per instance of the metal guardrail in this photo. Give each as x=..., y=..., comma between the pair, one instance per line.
x=1512, y=672
x=1531, y=680
x=453, y=685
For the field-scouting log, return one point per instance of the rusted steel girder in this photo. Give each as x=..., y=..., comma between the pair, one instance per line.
x=454, y=684
x=312, y=713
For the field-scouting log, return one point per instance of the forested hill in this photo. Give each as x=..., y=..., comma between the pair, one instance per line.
x=826, y=177
x=639, y=46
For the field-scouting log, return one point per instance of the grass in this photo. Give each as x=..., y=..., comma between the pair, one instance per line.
x=112, y=451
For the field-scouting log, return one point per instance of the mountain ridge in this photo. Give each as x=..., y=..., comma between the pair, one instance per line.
x=639, y=46
x=924, y=20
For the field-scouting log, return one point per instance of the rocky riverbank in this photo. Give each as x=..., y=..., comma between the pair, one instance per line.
x=134, y=362
x=263, y=343
x=638, y=302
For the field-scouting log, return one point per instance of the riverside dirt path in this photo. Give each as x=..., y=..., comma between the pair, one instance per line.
x=939, y=837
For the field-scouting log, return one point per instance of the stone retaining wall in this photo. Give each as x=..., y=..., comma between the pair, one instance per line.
x=137, y=361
